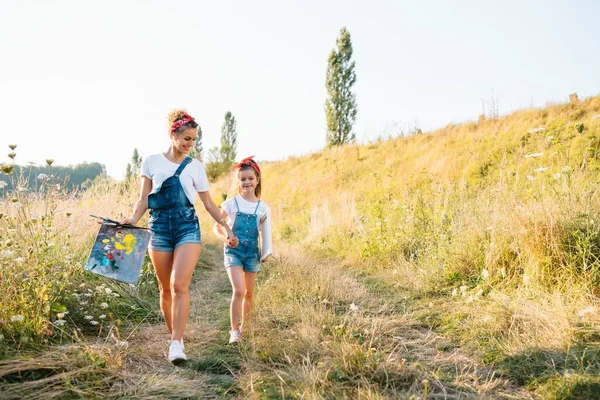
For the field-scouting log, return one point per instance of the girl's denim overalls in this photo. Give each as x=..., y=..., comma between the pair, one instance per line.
x=173, y=220
x=245, y=228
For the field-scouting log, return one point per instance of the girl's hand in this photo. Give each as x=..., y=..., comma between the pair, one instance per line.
x=233, y=241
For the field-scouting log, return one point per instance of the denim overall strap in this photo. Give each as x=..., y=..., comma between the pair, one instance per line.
x=183, y=164
x=171, y=194
x=256, y=209
x=236, y=204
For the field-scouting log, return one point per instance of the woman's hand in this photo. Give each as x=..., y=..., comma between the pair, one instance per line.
x=127, y=221
x=232, y=240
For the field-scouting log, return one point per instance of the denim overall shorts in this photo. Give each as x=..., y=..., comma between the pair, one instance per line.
x=245, y=228
x=173, y=220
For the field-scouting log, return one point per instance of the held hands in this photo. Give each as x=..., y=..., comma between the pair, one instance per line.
x=232, y=240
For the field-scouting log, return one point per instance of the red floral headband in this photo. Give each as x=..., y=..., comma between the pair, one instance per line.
x=180, y=122
x=248, y=161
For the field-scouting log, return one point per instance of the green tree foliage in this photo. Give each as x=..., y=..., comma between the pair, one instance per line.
x=133, y=168
x=73, y=175
x=340, y=105
x=196, y=150
x=215, y=166
x=229, y=139
x=220, y=159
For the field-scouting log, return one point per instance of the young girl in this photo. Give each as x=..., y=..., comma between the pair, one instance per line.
x=170, y=181
x=250, y=220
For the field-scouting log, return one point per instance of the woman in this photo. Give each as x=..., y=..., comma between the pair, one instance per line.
x=170, y=181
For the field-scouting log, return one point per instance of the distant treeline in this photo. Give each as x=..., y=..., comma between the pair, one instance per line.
x=80, y=176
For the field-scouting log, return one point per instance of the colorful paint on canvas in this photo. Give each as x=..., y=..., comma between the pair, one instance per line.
x=118, y=253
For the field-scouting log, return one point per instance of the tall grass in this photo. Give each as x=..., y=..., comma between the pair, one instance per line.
x=45, y=239
x=493, y=227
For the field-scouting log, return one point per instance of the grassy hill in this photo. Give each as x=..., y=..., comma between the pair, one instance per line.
x=490, y=228
x=460, y=263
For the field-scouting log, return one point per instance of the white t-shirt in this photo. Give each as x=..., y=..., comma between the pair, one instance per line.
x=263, y=220
x=193, y=177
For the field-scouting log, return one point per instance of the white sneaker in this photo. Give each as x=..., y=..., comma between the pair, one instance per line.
x=235, y=337
x=176, y=354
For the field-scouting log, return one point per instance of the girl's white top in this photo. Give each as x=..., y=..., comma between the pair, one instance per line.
x=193, y=177
x=263, y=221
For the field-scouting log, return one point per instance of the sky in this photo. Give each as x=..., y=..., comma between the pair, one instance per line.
x=90, y=81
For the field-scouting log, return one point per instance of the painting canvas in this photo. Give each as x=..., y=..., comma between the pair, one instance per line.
x=118, y=251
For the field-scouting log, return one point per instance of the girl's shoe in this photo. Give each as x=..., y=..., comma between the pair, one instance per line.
x=235, y=337
x=176, y=354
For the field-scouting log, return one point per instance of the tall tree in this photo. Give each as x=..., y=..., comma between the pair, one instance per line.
x=133, y=168
x=196, y=150
x=340, y=105
x=228, y=139
x=136, y=163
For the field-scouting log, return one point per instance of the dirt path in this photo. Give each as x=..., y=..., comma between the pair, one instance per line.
x=209, y=373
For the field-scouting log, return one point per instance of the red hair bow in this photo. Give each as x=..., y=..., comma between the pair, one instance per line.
x=180, y=122
x=248, y=161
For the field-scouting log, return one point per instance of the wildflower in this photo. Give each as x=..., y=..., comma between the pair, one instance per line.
x=12, y=146
x=94, y=322
x=541, y=169
x=103, y=316
x=531, y=177
x=485, y=274
x=479, y=293
x=14, y=200
x=487, y=318
x=537, y=130
x=108, y=290
x=6, y=253
x=534, y=155
x=3, y=184
x=104, y=305
x=68, y=214
x=17, y=318
x=62, y=314
x=586, y=311
x=353, y=307
x=89, y=317
x=49, y=161
x=12, y=155
x=557, y=175
x=116, y=294
x=18, y=204
x=503, y=272
x=1, y=337
x=19, y=260
x=454, y=292
x=7, y=168
x=60, y=322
